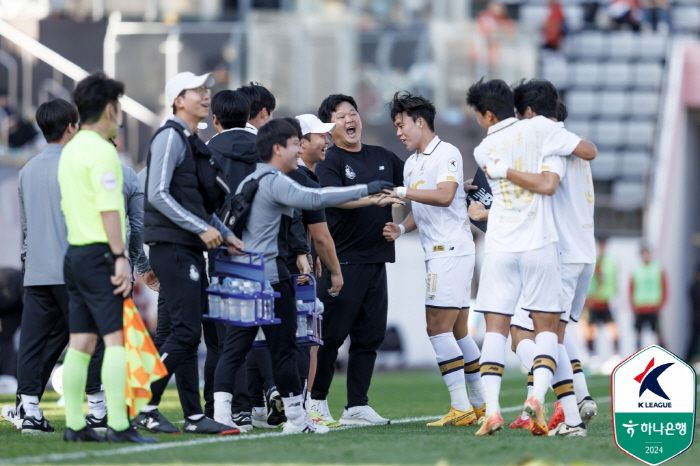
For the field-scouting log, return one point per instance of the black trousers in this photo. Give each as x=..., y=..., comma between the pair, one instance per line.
x=182, y=274
x=281, y=339
x=359, y=312
x=44, y=335
x=260, y=378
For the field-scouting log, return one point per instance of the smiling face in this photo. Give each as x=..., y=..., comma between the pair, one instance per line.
x=408, y=131
x=348, y=126
x=287, y=155
x=194, y=103
x=314, y=150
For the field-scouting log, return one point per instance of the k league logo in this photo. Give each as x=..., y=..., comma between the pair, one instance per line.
x=653, y=403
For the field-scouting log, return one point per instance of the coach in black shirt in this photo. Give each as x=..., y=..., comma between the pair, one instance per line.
x=360, y=310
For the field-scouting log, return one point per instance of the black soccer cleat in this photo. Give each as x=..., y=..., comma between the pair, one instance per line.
x=155, y=423
x=129, y=435
x=94, y=422
x=86, y=434
x=243, y=421
x=275, y=407
x=208, y=426
x=32, y=425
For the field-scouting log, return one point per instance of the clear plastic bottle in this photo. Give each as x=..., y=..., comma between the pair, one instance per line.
x=268, y=293
x=235, y=303
x=226, y=287
x=248, y=305
x=257, y=290
x=301, y=318
x=214, y=299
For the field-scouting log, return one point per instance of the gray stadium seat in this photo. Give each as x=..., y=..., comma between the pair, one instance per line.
x=628, y=195
x=644, y=104
x=609, y=133
x=622, y=44
x=581, y=103
x=636, y=164
x=586, y=73
x=590, y=44
x=614, y=103
x=605, y=166
x=580, y=128
x=574, y=16
x=640, y=133
x=685, y=18
x=648, y=75
x=652, y=46
x=556, y=71
x=617, y=74
x=533, y=16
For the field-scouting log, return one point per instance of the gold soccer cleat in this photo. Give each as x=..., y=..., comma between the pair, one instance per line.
x=493, y=424
x=456, y=418
x=538, y=416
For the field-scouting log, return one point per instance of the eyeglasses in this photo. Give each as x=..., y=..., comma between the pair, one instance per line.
x=202, y=91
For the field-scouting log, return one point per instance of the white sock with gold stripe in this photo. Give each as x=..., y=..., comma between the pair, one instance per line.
x=493, y=357
x=563, y=385
x=451, y=363
x=545, y=363
x=472, y=375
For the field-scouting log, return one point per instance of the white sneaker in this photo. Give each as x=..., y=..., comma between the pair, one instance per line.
x=259, y=418
x=362, y=416
x=9, y=413
x=562, y=430
x=588, y=410
x=321, y=407
x=306, y=426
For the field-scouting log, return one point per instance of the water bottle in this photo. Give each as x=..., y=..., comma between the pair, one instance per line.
x=226, y=287
x=319, y=306
x=310, y=325
x=257, y=290
x=268, y=293
x=248, y=305
x=301, y=318
x=235, y=303
x=214, y=299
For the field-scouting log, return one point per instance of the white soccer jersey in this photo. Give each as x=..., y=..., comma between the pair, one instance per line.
x=520, y=220
x=573, y=212
x=444, y=231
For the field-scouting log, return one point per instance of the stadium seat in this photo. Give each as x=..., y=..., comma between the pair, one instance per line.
x=640, y=133
x=644, y=104
x=605, y=166
x=574, y=16
x=651, y=46
x=581, y=128
x=636, y=164
x=581, y=103
x=557, y=72
x=628, y=195
x=609, y=133
x=648, y=75
x=614, y=103
x=533, y=16
x=590, y=44
x=622, y=44
x=685, y=18
x=587, y=73
x=617, y=74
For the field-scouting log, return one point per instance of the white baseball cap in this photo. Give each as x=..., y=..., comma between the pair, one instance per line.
x=310, y=124
x=184, y=81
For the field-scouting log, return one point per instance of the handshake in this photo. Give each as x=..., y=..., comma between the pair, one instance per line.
x=383, y=193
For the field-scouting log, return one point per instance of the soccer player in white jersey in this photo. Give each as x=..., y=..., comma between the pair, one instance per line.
x=572, y=205
x=433, y=178
x=520, y=254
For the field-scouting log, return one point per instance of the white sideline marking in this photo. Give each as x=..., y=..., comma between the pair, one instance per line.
x=201, y=441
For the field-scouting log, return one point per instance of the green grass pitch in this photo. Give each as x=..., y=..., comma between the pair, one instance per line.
x=400, y=396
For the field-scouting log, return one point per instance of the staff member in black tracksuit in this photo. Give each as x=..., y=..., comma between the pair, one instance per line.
x=179, y=229
x=360, y=310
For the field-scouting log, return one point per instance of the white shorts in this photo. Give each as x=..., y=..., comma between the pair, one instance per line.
x=533, y=277
x=448, y=283
x=575, y=279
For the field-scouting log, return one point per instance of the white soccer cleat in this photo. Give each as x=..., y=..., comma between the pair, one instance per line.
x=362, y=416
x=588, y=410
x=562, y=430
x=303, y=425
x=259, y=418
x=9, y=413
x=321, y=407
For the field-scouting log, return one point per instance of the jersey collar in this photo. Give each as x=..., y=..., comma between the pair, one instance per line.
x=251, y=129
x=502, y=124
x=431, y=147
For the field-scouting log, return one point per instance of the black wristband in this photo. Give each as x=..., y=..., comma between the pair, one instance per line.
x=117, y=256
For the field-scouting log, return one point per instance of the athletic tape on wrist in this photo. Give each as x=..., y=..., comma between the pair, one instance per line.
x=402, y=229
x=401, y=191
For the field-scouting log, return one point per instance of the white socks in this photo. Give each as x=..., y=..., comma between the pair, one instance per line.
x=294, y=409
x=96, y=405
x=580, y=386
x=493, y=357
x=563, y=386
x=148, y=408
x=222, y=407
x=451, y=362
x=526, y=352
x=545, y=363
x=31, y=406
x=472, y=374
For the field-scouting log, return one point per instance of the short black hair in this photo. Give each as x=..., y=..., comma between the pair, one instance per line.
x=330, y=103
x=415, y=106
x=276, y=131
x=231, y=108
x=53, y=118
x=495, y=96
x=294, y=122
x=562, y=112
x=92, y=94
x=538, y=94
x=259, y=98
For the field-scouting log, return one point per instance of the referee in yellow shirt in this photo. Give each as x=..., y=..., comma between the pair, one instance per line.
x=96, y=269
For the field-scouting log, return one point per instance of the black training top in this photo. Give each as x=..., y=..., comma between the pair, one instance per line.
x=358, y=232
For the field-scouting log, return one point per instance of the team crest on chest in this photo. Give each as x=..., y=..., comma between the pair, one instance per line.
x=349, y=172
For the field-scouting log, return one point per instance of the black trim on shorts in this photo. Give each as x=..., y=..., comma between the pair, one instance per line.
x=542, y=312
x=446, y=307
x=522, y=328
x=493, y=312
x=573, y=320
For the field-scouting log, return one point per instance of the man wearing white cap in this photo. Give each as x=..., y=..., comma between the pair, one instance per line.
x=179, y=225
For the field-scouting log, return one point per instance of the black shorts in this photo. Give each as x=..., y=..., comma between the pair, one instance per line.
x=92, y=306
x=601, y=316
x=640, y=320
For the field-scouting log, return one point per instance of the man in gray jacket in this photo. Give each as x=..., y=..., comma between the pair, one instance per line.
x=277, y=195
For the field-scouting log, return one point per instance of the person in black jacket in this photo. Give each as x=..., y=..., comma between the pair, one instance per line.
x=695, y=315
